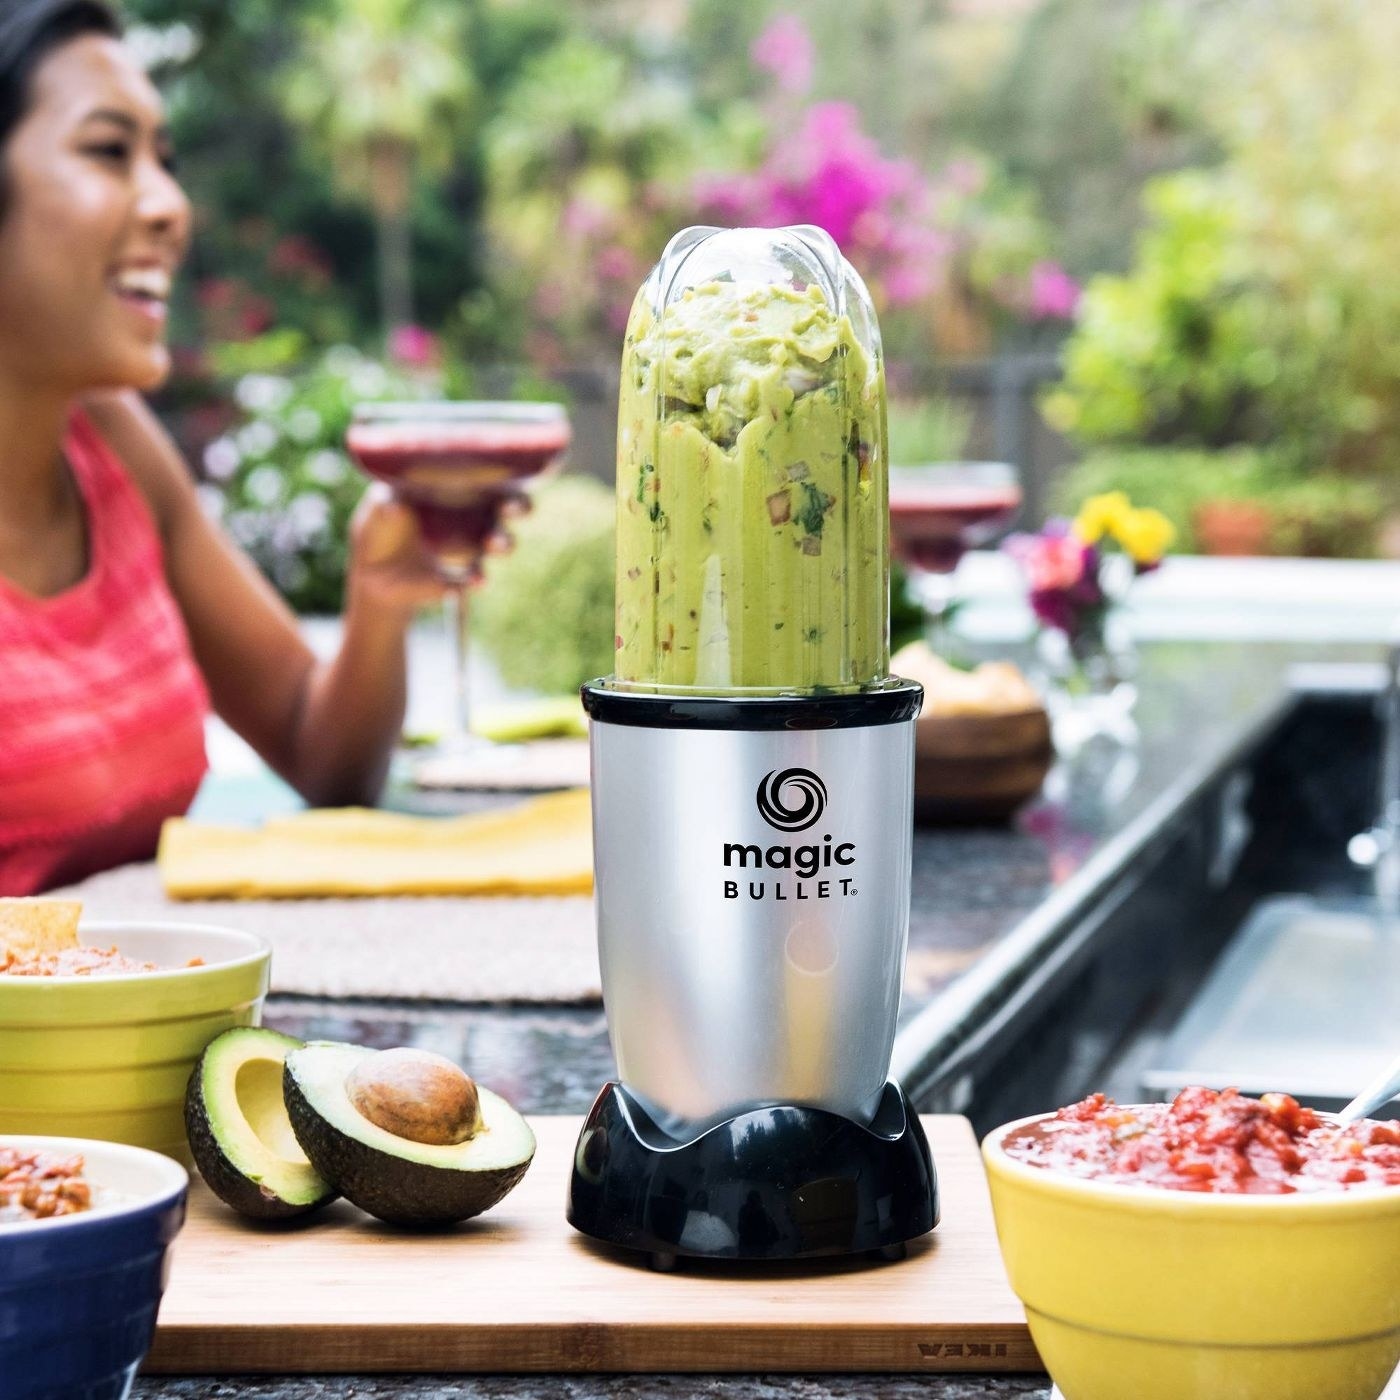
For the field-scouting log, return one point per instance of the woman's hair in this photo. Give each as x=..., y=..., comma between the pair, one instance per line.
x=29, y=31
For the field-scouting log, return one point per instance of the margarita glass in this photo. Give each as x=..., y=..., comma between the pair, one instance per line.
x=937, y=513
x=457, y=466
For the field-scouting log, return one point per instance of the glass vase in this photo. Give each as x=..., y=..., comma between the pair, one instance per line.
x=1088, y=675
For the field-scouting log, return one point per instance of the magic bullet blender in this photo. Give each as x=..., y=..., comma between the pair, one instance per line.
x=752, y=764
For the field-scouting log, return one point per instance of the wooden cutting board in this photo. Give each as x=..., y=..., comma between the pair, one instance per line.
x=519, y=1290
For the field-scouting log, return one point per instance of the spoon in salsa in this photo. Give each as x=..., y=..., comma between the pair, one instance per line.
x=1376, y=1094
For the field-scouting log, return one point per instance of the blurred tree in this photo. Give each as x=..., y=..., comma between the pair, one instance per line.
x=385, y=88
x=1307, y=100
x=885, y=57
x=546, y=168
x=278, y=237
x=1169, y=352
x=717, y=32
x=1096, y=97
x=1262, y=304
x=1264, y=299
x=589, y=160
x=248, y=181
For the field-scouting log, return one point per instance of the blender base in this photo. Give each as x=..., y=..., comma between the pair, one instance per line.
x=784, y=1182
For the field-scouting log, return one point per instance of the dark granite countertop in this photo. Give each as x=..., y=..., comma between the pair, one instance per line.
x=590, y=1387
x=976, y=892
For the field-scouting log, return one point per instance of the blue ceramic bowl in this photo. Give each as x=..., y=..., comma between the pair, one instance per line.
x=79, y=1293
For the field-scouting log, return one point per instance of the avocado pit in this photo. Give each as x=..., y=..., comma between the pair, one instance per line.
x=417, y=1096
x=396, y=1178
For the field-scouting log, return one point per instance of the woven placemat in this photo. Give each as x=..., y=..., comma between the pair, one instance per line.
x=495, y=949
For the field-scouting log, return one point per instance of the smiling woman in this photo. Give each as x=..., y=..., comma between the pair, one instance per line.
x=124, y=613
x=92, y=212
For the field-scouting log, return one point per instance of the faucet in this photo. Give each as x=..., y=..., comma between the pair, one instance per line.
x=1379, y=848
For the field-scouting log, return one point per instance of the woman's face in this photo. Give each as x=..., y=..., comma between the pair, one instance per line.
x=93, y=226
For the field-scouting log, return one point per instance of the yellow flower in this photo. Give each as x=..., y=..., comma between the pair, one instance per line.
x=1146, y=535
x=1102, y=515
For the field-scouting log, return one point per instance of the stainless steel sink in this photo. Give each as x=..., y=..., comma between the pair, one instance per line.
x=1304, y=1001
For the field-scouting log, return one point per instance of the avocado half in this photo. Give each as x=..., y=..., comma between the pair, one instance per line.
x=240, y=1136
x=397, y=1180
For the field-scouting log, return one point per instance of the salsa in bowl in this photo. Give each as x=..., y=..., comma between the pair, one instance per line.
x=1221, y=1143
x=1208, y=1248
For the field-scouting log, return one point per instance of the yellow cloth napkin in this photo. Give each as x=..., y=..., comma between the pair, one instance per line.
x=543, y=846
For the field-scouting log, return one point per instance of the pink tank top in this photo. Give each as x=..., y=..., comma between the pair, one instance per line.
x=101, y=704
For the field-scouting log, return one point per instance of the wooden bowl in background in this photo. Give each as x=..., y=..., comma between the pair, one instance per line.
x=978, y=768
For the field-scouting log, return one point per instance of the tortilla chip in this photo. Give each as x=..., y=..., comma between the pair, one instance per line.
x=30, y=928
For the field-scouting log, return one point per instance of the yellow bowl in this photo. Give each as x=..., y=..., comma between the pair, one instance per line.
x=109, y=1057
x=1153, y=1294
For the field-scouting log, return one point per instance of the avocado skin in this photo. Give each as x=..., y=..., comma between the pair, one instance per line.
x=229, y=1184
x=392, y=1189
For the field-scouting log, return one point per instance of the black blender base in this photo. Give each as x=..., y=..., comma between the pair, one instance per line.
x=774, y=1183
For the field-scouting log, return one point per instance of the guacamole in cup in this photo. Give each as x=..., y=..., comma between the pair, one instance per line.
x=753, y=517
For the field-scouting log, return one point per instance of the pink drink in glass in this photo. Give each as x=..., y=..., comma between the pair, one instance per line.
x=456, y=465
x=456, y=475
x=939, y=512
x=933, y=524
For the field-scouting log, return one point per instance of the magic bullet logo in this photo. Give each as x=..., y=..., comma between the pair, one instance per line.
x=783, y=811
x=791, y=800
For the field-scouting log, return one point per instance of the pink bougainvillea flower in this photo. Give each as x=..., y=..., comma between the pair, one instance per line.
x=907, y=285
x=829, y=172
x=784, y=50
x=727, y=197
x=1054, y=294
x=617, y=264
x=413, y=346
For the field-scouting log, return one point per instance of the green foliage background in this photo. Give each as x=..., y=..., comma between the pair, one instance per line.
x=1219, y=172
x=1261, y=305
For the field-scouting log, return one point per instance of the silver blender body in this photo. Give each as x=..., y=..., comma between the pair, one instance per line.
x=753, y=907
x=752, y=777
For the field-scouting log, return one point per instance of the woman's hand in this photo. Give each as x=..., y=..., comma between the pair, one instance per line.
x=391, y=569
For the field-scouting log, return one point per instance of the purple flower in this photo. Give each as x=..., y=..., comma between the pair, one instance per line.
x=1054, y=294
x=1062, y=574
x=1053, y=609
x=784, y=50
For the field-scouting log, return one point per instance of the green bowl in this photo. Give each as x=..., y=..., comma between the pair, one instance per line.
x=109, y=1057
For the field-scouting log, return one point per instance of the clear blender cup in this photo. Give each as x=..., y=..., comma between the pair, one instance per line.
x=752, y=757
x=753, y=514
